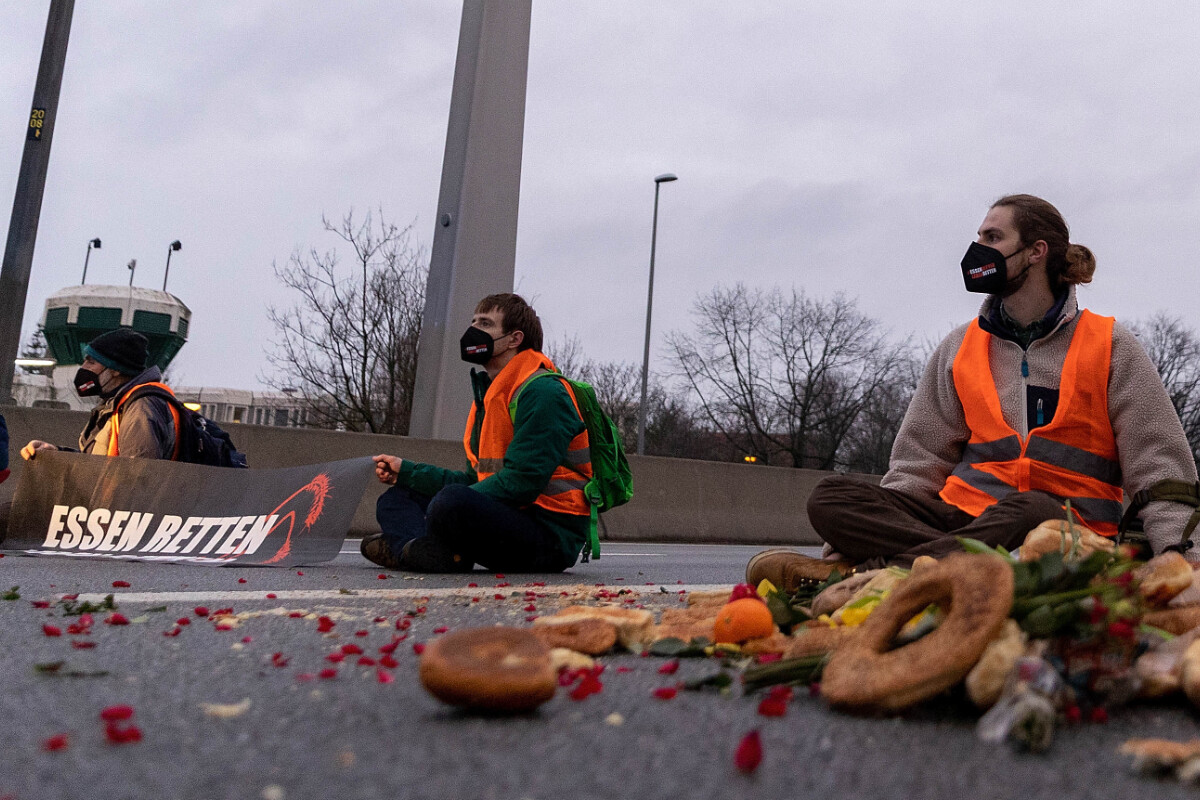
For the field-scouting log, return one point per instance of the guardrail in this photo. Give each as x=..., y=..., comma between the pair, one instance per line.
x=675, y=500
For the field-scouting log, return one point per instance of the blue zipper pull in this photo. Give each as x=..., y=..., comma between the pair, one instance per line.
x=1024, y=368
x=1041, y=419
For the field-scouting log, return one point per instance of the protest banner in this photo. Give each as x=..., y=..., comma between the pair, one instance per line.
x=145, y=509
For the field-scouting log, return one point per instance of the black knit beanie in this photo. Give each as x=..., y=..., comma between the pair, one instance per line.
x=124, y=350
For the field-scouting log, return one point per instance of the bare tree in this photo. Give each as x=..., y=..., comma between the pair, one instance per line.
x=1174, y=348
x=672, y=426
x=782, y=376
x=349, y=343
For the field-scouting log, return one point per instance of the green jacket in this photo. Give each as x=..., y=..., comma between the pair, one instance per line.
x=545, y=424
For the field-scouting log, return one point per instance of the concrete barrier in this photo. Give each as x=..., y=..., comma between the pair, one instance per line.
x=675, y=500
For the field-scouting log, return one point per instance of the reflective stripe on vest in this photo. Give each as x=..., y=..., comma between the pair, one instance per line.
x=1073, y=458
x=563, y=493
x=114, y=428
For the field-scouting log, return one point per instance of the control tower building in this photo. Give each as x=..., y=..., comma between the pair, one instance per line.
x=76, y=315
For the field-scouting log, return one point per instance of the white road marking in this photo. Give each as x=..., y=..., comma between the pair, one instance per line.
x=235, y=597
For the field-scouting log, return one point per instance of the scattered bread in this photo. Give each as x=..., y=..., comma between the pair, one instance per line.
x=1055, y=535
x=562, y=658
x=592, y=637
x=1160, y=755
x=817, y=640
x=489, y=669
x=1163, y=577
x=836, y=596
x=633, y=624
x=1174, y=620
x=985, y=682
x=775, y=643
x=866, y=674
x=1189, y=673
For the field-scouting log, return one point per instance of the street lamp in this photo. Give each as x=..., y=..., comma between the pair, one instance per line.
x=93, y=243
x=174, y=247
x=666, y=177
x=132, y=267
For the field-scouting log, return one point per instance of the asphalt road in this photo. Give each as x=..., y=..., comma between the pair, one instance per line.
x=290, y=733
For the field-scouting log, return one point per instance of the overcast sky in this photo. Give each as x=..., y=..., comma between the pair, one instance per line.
x=837, y=147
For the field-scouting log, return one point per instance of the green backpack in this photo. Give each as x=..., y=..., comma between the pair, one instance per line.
x=611, y=484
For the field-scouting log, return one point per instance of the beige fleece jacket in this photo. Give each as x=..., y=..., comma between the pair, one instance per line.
x=1151, y=445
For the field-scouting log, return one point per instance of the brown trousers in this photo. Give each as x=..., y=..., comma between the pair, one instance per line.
x=879, y=527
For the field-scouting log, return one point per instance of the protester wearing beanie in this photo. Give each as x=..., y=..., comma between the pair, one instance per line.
x=114, y=363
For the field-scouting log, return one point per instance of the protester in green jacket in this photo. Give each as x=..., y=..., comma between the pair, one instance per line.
x=518, y=506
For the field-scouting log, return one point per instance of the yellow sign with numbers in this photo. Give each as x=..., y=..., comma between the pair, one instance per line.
x=37, y=118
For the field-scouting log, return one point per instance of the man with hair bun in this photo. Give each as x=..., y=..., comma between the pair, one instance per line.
x=1033, y=403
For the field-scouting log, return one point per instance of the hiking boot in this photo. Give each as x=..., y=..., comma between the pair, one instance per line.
x=376, y=550
x=790, y=571
x=427, y=554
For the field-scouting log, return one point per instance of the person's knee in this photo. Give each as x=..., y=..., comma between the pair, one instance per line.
x=447, y=505
x=1036, y=507
x=829, y=497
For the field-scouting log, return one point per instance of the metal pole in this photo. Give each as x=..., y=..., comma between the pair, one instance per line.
x=83, y=281
x=641, y=449
x=167, y=271
x=475, y=235
x=31, y=182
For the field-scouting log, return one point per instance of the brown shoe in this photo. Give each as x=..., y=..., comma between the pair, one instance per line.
x=790, y=571
x=376, y=550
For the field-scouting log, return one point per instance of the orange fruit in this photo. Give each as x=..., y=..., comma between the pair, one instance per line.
x=743, y=619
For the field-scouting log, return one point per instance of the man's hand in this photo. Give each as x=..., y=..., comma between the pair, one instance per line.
x=386, y=468
x=30, y=450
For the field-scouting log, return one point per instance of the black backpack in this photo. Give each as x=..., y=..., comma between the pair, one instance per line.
x=198, y=440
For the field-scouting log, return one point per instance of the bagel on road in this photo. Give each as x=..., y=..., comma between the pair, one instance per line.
x=865, y=675
x=489, y=669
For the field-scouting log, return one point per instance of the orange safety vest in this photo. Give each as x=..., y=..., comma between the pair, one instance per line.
x=115, y=421
x=564, y=492
x=1074, y=457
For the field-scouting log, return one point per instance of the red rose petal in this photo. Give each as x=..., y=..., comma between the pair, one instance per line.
x=183, y=621
x=118, y=735
x=390, y=647
x=389, y=662
x=500, y=576
x=366, y=661
x=351, y=649
x=40, y=603
x=669, y=668
x=271, y=595
x=116, y=713
x=362, y=633
x=296, y=614
x=200, y=611
x=381, y=576
x=116, y=618
x=224, y=626
x=772, y=707
x=418, y=648
x=241, y=580
x=173, y=632
x=748, y=755
x=666, y=692
x=497, y=596
x=55, y=743
x=278, y=660
x=383, y=676
x=329, y=673
x=325, y=624
x=380, y=619
x=624, y=669
x=403, y=624
x=335, y=658
x=531, y=617
x=472, y=585
x=1099, y=715
x=530, y=607
x=301, y=574
x=120, y=584
x=247, y=639
x=51, y=630
x=441, y=629
x=83, y=645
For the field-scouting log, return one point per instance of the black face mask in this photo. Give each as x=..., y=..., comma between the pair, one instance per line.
x=985, y=269
x=476, y=346
x=87, y=383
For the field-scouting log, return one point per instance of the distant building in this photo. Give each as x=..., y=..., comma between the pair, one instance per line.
x=76, y=315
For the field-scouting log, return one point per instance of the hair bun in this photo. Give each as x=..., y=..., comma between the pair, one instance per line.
x=1081, y=264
